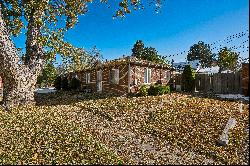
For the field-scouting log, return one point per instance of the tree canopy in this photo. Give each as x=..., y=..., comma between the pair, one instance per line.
x=201, y=52
x=147, y=53
x=48, y=75
x=41, y=20
x=227, y=59
x=138, y=48
x=81, y=59
x=44, y=23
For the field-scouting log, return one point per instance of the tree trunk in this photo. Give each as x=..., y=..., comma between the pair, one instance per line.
x=19, y=90
x=19, y=80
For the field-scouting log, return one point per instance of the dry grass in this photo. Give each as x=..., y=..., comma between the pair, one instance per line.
x=67, y=128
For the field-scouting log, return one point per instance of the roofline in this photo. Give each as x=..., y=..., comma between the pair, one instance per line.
x=126, y=60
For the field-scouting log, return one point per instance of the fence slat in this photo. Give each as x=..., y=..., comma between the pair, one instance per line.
x=224, y=83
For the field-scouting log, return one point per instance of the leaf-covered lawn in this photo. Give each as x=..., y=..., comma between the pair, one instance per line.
x=68, y=128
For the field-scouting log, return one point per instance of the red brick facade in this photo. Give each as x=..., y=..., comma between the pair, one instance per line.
x=131, y=73
x=1, y=83
x=245, y=78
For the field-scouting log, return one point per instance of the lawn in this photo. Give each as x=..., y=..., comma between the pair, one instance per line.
x=71, y=128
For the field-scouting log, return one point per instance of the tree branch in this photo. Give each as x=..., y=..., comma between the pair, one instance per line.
x=9, y=60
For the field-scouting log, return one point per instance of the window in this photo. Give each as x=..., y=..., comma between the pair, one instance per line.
x=167, y=76
x=87, y=78
x=147, y=75
x=114, y=76
x=99, y=80
x=99, y=76
x=99, y=86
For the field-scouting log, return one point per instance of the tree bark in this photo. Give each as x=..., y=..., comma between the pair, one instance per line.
x=19, y=80
x=19, y=90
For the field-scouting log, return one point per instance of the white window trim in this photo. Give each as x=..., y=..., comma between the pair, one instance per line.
x=99, y=86
x=113, y=79
x=99, y=82
x=99, y=74
x=87, y=78
x=167, y=75
x=147, y=80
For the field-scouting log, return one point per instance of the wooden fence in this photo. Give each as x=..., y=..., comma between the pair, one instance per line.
x=225, y=83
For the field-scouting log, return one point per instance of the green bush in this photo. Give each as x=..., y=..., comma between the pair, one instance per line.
x=143, y=91
x=153, y=90
x=158, y=90
x=57, y=83
x=74, y=84
x=188, y=78
x=65, y=83
x=166, y=89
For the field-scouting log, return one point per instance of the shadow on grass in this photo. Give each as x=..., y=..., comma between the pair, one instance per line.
x=71, y=97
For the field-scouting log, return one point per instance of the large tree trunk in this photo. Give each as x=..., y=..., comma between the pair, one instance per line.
x=19, y=90
x=19, y=80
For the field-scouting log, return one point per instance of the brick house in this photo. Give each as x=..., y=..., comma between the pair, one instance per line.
x=124, y=75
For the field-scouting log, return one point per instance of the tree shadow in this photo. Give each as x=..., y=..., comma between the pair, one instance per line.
x=71, y=97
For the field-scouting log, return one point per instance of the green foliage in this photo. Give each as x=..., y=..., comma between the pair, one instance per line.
x=138, y=48
x=74, y=84
x=147, y=53
x=143, y=91
x=158, y=90
x=47, y=76
x=65, y=83
x=57, y=83
x=80, y=59
x=53, y=19
x=201, y=52
x=227, y=59
x=188, y=78
x=154, y=90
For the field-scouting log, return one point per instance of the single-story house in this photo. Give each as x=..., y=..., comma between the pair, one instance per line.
x=124, y=75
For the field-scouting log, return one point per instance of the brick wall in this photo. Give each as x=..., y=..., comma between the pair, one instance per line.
x=245, y=78
x=137, y=76
x=1, y=83
x=107, y=86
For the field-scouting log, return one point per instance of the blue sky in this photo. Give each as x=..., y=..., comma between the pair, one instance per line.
x=179, y=25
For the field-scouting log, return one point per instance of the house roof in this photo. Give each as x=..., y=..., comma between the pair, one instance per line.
x=213, y=69
x=180, y=65
x=126, y=60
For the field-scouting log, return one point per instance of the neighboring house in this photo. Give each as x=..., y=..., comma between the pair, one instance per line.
x=181, y=65
x=197, y=67
x=124, y=75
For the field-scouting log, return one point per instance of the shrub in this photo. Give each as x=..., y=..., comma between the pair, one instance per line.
x=166, y=89
x=74, y=83
x=65, y=84
x=143, y=91
x=57, y=83
x=158, y=90
x=153, y=90
x=188, y=78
